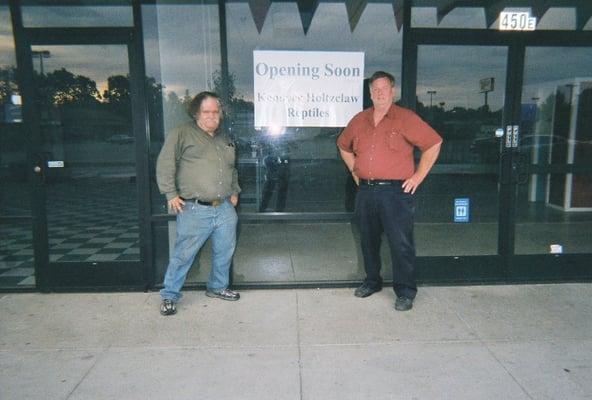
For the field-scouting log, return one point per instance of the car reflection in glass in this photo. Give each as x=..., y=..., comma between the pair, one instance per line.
x=120, y=139
x=488, y=148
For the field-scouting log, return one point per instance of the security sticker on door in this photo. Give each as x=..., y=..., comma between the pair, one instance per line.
x=55, y=164
x=461, y=210
x=515, y=132
x=509, y=136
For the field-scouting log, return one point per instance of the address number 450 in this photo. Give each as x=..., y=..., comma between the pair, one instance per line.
x=516, y=21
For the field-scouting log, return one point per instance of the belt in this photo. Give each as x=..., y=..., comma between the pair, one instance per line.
x=381, y=182
x=213, y=203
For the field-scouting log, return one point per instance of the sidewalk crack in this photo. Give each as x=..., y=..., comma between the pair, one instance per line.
x=87, y=373
x=300, y=384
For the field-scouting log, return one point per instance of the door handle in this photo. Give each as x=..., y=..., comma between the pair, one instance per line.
x=40, y=163
x=520, y=164
x=514, y=168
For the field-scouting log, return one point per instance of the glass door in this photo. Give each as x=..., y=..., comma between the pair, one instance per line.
x=16, y=241
x=85, y=163
x=554, y=201
x=460, y=92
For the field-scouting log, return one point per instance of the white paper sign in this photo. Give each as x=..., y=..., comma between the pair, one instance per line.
x=307, y=88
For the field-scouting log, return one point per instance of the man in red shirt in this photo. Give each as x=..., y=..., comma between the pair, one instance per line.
x=377, y=147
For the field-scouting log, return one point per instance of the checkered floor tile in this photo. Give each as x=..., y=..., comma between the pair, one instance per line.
x=86, y=222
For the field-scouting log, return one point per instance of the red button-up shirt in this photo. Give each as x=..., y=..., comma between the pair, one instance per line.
x=385, y=151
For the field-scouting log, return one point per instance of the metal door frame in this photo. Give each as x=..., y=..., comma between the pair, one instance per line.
x=506, y=266
x=103, y=276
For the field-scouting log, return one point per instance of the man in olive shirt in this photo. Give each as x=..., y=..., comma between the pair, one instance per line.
x=196, y=171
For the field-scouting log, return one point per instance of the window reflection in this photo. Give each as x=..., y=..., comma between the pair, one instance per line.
x=555, y=205
x=182, y=50
x=440, y=14
x=40, y=13
x=16, y=239
x=13, y=176
x=87, y=151
x=463, y=100
x=459, y=17
x=289, y=169
x=460, y=92
x=559, y=19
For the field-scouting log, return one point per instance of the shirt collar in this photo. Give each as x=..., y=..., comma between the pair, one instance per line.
x=196, y=127
x=390, y=114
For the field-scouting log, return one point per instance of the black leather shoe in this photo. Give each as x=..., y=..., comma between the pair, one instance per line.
x=364, y=290
x=403, y=304
x=225, y=294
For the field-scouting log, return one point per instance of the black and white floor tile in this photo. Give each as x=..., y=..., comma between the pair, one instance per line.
x=89, y=224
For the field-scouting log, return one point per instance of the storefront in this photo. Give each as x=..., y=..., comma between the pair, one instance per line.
x=89, y=90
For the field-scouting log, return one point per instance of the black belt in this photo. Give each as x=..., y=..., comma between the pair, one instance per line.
x=381, y=182
x=213, y=203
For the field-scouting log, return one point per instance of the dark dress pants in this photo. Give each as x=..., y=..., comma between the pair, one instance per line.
x=386, y=208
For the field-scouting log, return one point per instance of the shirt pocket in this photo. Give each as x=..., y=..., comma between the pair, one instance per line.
x=395, y=140
x=228, y=153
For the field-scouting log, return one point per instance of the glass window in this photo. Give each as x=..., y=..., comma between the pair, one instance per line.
x=558, y=18
x=13, y=171
x=47, y=14
x=182, y=50
x=459, y=17
x=440, y=14
x=555, y=202
x=184, y=57
x=16, y=239
x=87, y=145
x=16, y=254
x=460, y=92
x=299, y=169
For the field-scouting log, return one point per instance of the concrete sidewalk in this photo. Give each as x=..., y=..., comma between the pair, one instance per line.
x=473, y=342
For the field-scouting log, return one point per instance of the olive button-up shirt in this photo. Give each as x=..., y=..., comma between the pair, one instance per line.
x=193, y=164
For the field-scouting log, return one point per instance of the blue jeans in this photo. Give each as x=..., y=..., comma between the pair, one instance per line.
x=194, y=226
x=388, y=209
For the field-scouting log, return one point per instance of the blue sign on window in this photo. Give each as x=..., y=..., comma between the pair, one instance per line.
x=12, y=113
x=461, y=210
